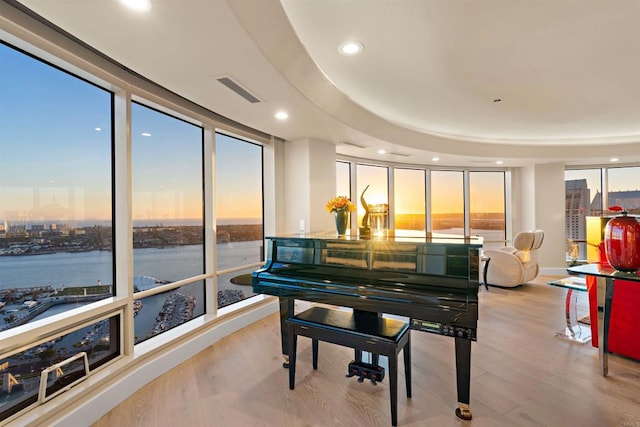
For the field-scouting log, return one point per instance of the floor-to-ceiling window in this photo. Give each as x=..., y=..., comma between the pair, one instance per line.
x=624, y=188
x=239, y=205
x=409, y=199
x=56, y=226
x=168, y=224
x=588, y=194
x=583, y=200
x=447, y=202
x=343, y=179
x=434, y=200
x=373, y=187
x=487, y=207
x=77, y=164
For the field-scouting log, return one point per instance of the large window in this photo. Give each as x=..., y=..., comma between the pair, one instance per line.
x=624, y=188
x=56, y=249
x=238, y=216
x=438, y=195
x=343, y=179
x=75, y=279
x=55, y=190
x=486, y=207
x=376, y=178
x=409, y=194
x=447, y=202
x=168, y=243
x=587, y=201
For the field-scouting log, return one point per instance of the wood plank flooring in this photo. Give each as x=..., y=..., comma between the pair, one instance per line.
x=521, y=376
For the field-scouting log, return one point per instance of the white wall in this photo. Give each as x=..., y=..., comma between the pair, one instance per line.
x=550, y=214
x=309, y=182
x=541, y=200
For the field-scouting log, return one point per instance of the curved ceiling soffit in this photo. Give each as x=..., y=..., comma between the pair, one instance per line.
x=268, y=25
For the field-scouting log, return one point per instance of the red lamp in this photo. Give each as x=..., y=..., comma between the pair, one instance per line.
x=622, y=241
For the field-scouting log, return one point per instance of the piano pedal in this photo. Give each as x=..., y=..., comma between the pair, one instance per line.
x=365, y=371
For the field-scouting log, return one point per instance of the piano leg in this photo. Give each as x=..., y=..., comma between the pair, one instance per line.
x=286, y=309
x=364, y=318
x=463, y=377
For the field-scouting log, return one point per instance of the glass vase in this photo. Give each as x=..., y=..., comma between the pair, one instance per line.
x=342, y=220
x=622, y=243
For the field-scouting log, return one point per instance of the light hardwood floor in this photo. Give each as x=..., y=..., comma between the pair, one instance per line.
x=521, y=376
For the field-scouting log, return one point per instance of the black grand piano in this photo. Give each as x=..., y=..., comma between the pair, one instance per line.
x=432, y=279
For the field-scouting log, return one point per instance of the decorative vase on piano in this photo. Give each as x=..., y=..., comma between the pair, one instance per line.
x=342, y=221
x=341, y=207
x=622, y=241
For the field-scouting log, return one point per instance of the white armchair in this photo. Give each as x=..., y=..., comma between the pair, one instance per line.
x=514, y=265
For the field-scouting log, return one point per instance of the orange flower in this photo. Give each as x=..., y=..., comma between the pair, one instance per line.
x=340, y=203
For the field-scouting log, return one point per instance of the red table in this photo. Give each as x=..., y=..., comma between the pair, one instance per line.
x=627, y=287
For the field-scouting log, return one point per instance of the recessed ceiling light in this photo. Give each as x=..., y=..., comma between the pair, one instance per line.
x=145, y=134
x=139, y=5
x=435, y=159
x=350, y=48
x=615, y=159
x=381, y=151
x=282, y=115
x=499, y=162
x=98, y=129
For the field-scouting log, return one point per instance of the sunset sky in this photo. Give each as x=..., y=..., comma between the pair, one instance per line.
x=55, y=160
x=55, y=154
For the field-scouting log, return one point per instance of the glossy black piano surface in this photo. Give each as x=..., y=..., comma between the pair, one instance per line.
x=433, y=280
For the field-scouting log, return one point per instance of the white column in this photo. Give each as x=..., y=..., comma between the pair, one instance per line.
x=542, y=206
x=309, y=182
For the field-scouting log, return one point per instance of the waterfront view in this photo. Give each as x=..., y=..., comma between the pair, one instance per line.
x=41, y=278
x=58, y=215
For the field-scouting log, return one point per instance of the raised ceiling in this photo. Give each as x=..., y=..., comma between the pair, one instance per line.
x=566, y=72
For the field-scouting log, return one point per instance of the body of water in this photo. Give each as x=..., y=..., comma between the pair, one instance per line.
x=89, y=268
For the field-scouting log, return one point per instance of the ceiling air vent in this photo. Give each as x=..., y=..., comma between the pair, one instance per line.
x=228, y=82
x=353, y=144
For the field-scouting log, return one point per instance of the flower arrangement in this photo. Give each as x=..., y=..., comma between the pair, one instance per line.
x=340, y=203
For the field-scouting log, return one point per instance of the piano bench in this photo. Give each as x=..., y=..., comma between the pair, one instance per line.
x=385, y=337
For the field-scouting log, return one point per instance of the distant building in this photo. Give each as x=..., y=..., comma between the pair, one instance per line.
x=577, y=207
x=17, y=229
